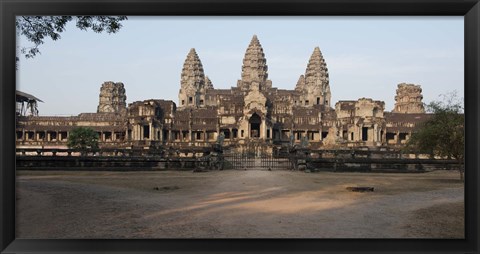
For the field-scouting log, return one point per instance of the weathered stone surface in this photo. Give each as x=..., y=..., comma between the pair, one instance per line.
x=366, y=107
x=314, y=86
x=192, y=82
x=112, y=98
x=361, y=121
x=208, y=83
x=192, y=76
x=254, y=68
x=409, y=99
x=300, y=84
x=254, y=112
x=316, y=75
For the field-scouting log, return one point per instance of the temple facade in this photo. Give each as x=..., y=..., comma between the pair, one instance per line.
x=253, y=111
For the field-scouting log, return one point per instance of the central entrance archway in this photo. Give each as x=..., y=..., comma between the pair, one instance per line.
x=255, y=122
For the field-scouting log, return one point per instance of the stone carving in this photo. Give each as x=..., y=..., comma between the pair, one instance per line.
x=316, y=74
x=208, y=83
x=242, y=115
x=254, y=66
x=255, y=100
x=409, y=99
x=112, y=98
x=314, y=86
x=192, y=73
x=192, y=82
x=300, y=84
x=331, y=139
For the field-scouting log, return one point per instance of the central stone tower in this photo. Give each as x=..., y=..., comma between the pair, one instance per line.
x=254, y=68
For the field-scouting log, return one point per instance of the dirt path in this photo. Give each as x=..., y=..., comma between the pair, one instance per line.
x=237, y=204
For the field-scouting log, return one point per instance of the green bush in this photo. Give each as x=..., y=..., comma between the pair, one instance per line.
x=83, y=139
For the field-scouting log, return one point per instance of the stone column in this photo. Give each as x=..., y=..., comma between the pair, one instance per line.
x=360, y=134
x=152, y=133
x=139, y=132
x=261, y=135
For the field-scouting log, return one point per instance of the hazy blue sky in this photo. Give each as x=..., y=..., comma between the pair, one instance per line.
x=365, y=56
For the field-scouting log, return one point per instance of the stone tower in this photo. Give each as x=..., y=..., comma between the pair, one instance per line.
x=192, y=83
x=254, y=68
x=208, y=83
x=316, y=88
x=409, y=99
x=112, y=98
x=300, y=84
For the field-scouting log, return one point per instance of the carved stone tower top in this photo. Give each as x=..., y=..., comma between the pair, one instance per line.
x=193, y=82
x=316, y=75
x=112, y=98
x=254, y=66
x=208, y=83
x=314, y=86
x=409, y=99
x=300, y=84
x=192, y=77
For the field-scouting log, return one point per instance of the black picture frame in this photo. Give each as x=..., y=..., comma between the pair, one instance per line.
x=470, y=9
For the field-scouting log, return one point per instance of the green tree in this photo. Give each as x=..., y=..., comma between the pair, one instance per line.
x=37, y=28
x=83, y=139
x=443, y=134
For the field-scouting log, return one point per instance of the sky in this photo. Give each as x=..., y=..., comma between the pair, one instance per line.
x=365, y=56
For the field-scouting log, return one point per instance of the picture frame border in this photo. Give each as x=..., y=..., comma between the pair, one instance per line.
x=470, y=9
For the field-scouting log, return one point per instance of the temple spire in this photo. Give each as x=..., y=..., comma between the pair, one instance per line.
x=254, y=41
x=316, y=74
x=254, y=67
x=192, y=76
x=316, y=87
x=300, y=83
x=208, y=83
x=192, y=81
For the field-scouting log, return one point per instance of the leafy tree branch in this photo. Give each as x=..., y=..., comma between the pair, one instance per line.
x=38, y=28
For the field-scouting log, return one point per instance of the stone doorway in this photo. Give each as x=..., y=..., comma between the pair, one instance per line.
x=255, y=122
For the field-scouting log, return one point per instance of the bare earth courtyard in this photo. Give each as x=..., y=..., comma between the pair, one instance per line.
x=238, y=204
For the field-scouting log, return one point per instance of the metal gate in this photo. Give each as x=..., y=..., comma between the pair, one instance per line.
x=260, y=162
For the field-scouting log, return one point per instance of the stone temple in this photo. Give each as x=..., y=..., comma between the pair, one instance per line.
x=252, y=112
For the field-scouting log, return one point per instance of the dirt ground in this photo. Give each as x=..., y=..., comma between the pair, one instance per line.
x=238, y=204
